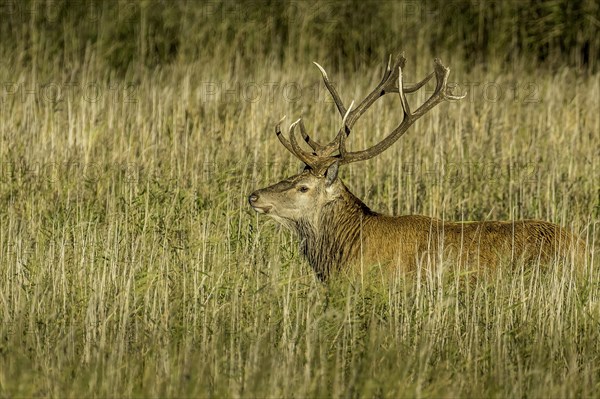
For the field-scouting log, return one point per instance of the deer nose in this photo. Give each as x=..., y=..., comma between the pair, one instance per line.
x=253, y=198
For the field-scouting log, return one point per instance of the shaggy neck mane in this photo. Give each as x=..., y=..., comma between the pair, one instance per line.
x=333, y=239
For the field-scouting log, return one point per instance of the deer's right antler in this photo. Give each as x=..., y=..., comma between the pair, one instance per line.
x=391, y=82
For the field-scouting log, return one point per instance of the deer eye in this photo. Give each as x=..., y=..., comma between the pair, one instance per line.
x=303, y=189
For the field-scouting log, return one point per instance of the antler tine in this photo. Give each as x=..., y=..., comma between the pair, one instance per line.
x=338, y=143
x=280, y=136
x=446, y=93
x=344, y=133
x=440, y=94
x=336, y=97
x=403, y=101
x=416, y=86
x=312, y=143
x=308, y=158
x=292, y=145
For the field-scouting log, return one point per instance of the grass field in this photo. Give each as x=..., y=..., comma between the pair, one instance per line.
x=132, y=266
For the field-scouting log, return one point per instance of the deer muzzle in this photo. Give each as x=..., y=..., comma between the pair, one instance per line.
x=254, y=201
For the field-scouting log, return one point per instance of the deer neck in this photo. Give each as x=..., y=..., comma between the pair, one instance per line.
x=332, y=240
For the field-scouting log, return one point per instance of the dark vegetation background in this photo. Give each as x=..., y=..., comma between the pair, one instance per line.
x=127, y=35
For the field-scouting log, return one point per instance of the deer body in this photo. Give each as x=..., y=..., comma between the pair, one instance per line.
x=338, y=231
x=471, y=245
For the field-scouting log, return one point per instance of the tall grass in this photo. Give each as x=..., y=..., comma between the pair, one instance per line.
x=131, y=264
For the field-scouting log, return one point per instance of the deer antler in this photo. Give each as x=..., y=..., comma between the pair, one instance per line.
x=391, y=82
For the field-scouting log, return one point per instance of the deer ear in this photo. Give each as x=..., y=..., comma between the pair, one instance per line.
x=332, y=172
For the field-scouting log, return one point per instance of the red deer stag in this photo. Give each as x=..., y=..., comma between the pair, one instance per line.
x=337, y=230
